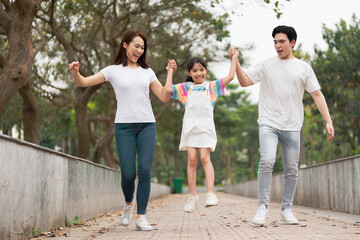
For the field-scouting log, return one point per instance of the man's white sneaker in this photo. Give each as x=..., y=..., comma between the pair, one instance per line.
x=260, y=216
x=288, y=217
x=211, y=200
x=190, y=204
x=142, y=224
x=127, y=214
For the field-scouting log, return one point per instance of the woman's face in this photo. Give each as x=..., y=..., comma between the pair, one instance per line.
x=135, y=49
x=198, y=73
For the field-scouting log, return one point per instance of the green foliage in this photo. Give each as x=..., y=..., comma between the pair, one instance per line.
x=69, y=222
x=90, y=32
x=34, y=233
x=337, y=69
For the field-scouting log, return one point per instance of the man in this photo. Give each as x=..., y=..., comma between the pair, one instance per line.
x=283, y=81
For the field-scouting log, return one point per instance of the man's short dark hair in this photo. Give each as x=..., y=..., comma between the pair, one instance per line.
x=289, y=31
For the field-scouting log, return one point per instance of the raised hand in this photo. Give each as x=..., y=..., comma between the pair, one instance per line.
x=74, y=67
x=231, y=51
x=237, y=53
x=172, y=65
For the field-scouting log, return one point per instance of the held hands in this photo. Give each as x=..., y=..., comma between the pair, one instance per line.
x=232, y=51
x=74, y=67
x=171, y=65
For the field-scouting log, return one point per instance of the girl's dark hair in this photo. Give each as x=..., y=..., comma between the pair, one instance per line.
x=121, y=57
x=289, y=31
x=190, y=64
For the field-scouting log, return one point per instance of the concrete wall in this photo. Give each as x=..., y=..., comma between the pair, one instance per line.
x=333, y=185
x=40, y=187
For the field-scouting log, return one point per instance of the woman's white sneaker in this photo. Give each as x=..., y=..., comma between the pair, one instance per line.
x=288, y=217
x=141, y=224
x=211, y=200
x=191, y=203
x=127, y=214
x=260, y=216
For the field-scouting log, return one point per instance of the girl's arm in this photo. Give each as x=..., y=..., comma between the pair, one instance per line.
x=85, y=81
x=231, y=75
x=163, y=93
x=242, y=77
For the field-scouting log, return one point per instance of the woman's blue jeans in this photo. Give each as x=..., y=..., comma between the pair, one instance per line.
x=290, y=145
x=132, y=138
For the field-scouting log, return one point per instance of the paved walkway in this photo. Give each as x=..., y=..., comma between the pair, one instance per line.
x=232, y=219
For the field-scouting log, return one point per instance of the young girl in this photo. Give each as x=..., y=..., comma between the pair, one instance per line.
x=135, y=128
x=198, y=131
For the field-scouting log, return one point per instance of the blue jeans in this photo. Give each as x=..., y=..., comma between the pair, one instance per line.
x=290, y=145
x=132, y=138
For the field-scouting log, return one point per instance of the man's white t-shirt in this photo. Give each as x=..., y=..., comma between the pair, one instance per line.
x=281, y=91
x=132, y=88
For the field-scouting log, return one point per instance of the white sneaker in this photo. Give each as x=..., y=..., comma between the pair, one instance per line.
x=127, y=214
x=260, y=216
x=190, y=204
x=211, y=200
x=288, y=217
x=142, y=224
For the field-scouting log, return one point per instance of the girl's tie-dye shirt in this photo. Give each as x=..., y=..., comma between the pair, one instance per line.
x=180, y=91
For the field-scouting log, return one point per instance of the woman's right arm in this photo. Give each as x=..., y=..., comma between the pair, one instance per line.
x=85, y=81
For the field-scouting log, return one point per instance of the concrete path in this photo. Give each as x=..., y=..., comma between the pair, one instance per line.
x=231, y=219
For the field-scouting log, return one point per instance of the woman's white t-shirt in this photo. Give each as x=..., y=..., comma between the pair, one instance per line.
x=132, y=88
x=281, y=91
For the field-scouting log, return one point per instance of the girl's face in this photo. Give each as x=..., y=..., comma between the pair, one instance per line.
x=134, y=50
x=198, y=73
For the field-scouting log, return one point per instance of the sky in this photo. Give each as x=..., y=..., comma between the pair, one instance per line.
x=255, y=22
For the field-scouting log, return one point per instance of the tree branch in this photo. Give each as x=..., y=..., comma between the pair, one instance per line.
x=4, y=18
x=7, y=5
x=44, y=40
x=163, y=108
x=2, y=61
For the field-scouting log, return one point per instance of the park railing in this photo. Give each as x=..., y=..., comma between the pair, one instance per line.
x=40, y=188
x=333, y=185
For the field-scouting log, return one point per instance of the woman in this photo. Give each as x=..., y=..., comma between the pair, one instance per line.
x=135, y=129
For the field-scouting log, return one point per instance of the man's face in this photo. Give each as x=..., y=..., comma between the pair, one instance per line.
x=283, y=46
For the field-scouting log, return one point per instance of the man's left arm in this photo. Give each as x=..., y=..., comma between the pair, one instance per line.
x=320, y=102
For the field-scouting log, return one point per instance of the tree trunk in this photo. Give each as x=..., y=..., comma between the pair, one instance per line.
x=176, y=153
x=83, y=134
x=252, y=161
x=69, y=146
x=228, y=162
x=30, y=114
x=302, y=151
x=16, y=20
x=111, y=160
x=102, y=146
x=81, y=120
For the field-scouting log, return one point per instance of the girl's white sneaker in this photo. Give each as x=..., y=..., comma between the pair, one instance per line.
x=211, y=200
x=142, y=224
x=190, y=204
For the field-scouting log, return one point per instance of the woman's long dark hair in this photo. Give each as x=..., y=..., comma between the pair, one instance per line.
x=121, y=57
x=190, y=64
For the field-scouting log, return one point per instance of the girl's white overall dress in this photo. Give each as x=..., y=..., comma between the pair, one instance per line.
x=198, y=123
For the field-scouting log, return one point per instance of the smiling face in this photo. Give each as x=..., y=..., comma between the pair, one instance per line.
x=134, y=50
x=283, y=46
x=198, y=73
